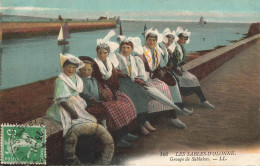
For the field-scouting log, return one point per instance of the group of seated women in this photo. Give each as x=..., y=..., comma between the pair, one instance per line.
x=115, y=88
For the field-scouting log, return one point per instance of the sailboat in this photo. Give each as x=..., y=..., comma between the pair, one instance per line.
x=145, y=28
x=118, y=21
x=64, y=34
x=201, y=21
x=1, y=30
x=120, y=32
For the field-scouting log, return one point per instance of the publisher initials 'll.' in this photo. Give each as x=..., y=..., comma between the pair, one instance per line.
x=222, y=158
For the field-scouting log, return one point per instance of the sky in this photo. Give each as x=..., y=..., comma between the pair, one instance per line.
x=174, y=10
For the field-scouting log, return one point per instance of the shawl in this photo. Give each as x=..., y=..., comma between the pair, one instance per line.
x=67, y=80
x=180, y=54
x=165, y=55
x=124, y=67
x=180, y=50
x=148, y=55
x=106, y=72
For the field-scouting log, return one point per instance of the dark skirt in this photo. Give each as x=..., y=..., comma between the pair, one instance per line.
x=97, y=110
x=136, y=93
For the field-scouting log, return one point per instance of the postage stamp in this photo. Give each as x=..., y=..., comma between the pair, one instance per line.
x=23, y=144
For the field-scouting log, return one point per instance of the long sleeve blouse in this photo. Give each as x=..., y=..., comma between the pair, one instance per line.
x=90, y=89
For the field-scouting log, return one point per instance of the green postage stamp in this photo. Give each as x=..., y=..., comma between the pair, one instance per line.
x=23, y=144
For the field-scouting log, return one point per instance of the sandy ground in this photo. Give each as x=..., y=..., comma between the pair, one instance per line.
x=234, y=89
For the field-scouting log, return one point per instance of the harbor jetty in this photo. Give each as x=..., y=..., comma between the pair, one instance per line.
x=29, y=29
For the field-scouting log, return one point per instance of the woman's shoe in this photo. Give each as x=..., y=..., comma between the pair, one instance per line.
x=130, y=137
x=148, y=126
x=144, y=131
x=207, y=104
x=187, y=112
x=123, y=144
x=178, y=123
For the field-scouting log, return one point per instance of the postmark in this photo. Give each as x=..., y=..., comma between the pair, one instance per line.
x=22, y=144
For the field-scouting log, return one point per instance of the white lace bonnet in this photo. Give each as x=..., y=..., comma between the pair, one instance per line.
x=72, y=59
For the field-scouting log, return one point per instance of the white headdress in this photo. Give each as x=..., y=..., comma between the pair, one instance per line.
x=72, y=59
x=166, y=32
x=106, y=42
x=180, y=30
x=154, y=32
x=121, y=38
x=138, y=48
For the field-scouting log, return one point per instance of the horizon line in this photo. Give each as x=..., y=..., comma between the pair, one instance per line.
x=159, y=20
x=185, y=21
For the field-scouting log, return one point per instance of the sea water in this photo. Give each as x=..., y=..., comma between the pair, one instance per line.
x=24, y=61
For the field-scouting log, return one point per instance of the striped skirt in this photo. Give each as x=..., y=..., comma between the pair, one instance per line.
x=156, y=106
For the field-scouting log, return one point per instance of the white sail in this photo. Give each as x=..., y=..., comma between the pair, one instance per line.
x=60, y=37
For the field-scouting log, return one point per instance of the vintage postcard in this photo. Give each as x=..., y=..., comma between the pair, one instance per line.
x=141, y=82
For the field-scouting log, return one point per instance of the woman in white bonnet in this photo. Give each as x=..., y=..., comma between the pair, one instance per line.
x=108, y=76
x=167, y=44
x=131, y=83
x=188, y=82
x=156, y=89
x=68, y=107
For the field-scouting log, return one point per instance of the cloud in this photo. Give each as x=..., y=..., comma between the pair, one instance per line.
x=28, y=8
